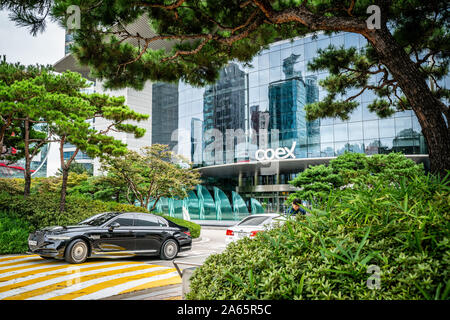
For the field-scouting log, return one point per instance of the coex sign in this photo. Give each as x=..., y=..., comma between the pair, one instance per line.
x=278, y=153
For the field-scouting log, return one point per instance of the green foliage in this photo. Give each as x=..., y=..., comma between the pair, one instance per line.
x=105, y=188
x=403, y=229
x=316, y=182
x=153, y=173
x=13, y=233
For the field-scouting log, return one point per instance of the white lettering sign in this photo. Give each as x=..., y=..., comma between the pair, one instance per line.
x=278, y=153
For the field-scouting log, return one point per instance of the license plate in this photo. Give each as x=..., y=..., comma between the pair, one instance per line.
x=32, y=242
x=242, y=235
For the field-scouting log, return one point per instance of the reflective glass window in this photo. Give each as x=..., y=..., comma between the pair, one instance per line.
x=371, y=146
x=340, y=132
x=370, y=129
x=263, y=77
x=326, y=150
x=253, y=79
x=351, y=40
x=310, y=50
x=263, y=61
x=285, y=53
x=337, y=41
x=355, y=130
x=387, y=128
x=299, y=50
x=386, y=145
x=340, y=148
x=275, y=74
x=326, y=134
x=274, y=57
x=367, y=115
x=356, y=146
x=403, y=125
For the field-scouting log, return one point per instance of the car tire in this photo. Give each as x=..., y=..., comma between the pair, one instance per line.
x=76, y=251
x=169, y=249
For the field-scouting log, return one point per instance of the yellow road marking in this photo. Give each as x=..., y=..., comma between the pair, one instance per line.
x=110, y=283
x=153, y=284
x=19, y=262
x=32, y=272
x=18, y=257
x=70, y=270
x=26, y=267
x=64, y=284
x=174, y=298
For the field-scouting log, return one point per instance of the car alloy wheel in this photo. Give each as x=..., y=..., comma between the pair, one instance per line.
x=169, y=249
x=77, y=251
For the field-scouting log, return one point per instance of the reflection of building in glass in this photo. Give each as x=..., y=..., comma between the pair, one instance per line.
x=223, y=109
x=287, y=99
x=164, y=113
x=196, y=141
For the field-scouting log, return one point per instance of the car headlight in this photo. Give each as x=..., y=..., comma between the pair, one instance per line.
x=58, y=237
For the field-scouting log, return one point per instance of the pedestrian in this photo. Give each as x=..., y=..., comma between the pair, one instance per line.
x=296, y=209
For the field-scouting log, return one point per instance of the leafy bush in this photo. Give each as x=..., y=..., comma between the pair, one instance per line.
x=13, y=234
x=401, y=228
x=316, y=182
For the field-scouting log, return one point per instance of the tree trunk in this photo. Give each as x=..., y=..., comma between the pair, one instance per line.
x=428, y=109
x=27, y=172
x=65, y=176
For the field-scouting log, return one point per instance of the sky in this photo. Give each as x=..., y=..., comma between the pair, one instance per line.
x=19, y=46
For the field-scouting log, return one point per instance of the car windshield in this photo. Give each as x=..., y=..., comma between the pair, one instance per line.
x=253, y=221
x=99, y=219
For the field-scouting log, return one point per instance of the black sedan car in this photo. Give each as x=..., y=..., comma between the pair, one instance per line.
x=112, y=234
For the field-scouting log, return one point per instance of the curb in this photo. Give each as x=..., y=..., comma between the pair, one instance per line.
x=197, y=239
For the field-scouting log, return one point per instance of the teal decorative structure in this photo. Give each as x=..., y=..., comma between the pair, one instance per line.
x=192, y=204
x=223, y=206
x=206, y=204
x=256, y=206
x=240, y=209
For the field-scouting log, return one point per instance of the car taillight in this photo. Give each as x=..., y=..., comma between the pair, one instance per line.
x=187, y=233
x=253, y=233
x=230, y=232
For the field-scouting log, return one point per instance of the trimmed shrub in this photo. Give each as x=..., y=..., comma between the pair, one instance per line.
x=399, y=229
x=13, y=234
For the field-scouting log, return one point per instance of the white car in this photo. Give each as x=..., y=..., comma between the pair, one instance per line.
x=251, y=225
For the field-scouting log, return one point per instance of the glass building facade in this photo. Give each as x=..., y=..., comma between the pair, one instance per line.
x=262, y=106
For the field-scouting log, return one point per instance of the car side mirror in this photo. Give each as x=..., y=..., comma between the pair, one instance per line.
x=113, y=225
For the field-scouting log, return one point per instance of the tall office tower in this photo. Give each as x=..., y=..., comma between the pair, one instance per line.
x=312, y=127
x=164, y=113
x=224, y=106
x=287, y=99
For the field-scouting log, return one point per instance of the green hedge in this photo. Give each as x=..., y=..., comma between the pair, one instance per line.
x=13, y=234
x=402, y=229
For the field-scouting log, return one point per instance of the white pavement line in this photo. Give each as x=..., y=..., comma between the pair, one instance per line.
x=41, y=266
x=107, y=292
x=71, y=268
x=156, y=293
x=85, y=284
x=19, y=259
x=37, y=262
x=73, y=276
